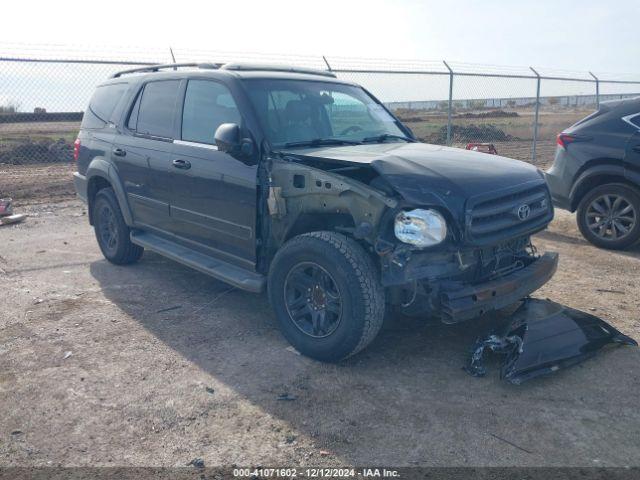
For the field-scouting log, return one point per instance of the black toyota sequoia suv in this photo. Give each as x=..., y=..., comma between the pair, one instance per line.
x=293, y=181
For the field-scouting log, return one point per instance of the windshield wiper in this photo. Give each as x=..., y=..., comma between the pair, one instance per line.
x=387, y=136
x=316, y=142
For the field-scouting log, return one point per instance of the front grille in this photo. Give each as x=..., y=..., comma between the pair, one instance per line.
x=508, y=214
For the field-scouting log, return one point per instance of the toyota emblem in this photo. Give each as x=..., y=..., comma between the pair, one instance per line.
x=523, y=212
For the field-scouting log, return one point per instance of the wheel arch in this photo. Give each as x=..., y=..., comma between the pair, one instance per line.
x=101, y=174
x=313, y=222
x=304, y=199
x=599, y=174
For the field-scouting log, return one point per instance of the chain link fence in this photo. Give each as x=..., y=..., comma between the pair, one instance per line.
x=518, y=111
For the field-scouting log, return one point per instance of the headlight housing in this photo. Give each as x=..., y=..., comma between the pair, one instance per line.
x=420, y=227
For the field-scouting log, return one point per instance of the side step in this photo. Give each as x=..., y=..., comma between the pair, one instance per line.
x=236, y=276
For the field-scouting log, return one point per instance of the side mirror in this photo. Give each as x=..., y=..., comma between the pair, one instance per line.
x=227, y=137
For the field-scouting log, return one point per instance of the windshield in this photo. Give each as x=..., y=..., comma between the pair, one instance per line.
x=297, y=112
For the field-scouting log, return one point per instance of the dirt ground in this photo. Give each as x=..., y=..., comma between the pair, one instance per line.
x=156, y=365
x=37, y=184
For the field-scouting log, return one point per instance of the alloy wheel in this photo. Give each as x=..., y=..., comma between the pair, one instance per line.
x=313, y=300
x=108, y=228
x=611, y=217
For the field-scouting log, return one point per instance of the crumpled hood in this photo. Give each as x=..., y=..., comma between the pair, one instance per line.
x=430, y=174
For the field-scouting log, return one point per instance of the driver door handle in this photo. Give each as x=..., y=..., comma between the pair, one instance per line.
x=183, y=164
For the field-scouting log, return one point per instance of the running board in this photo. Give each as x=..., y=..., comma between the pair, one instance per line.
x=236, y=276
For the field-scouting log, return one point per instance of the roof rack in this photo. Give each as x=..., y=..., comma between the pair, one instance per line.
x=173, y=66
x=247, y=67
x=275, y=68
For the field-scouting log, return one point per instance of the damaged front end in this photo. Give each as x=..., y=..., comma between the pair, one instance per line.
x=542, y=337
x=486, y=262
x=459, y=284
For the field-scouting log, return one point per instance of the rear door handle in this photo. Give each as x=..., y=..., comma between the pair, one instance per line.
x=184, y=164
x=118, y=152
x=636, y=148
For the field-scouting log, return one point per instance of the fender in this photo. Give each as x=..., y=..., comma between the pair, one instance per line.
x=605, y=169
x=298, y=189
x=632, y=175
x=99, y=167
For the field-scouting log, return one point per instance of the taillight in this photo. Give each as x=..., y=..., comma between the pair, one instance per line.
x=564, y=139
x=76, y=149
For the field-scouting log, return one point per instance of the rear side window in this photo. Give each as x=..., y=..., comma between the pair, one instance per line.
x=207, y=105
x=633, y=119
x=102, y=105
x=154, y=110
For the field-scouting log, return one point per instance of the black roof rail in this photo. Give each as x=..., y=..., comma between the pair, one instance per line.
x=275, y=68
x=174, y=66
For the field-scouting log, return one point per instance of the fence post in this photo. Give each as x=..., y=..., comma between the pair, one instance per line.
x=535, y=121
x=450, y=103
x=597, y=90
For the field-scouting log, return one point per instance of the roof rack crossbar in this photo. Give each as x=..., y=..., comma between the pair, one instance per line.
x=174, y=66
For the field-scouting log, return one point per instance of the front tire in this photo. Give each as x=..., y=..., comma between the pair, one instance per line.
x=327, y=295
x=609, y=216
x=111, y=230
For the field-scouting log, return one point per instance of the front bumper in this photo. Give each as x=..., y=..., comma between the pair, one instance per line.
x=459, y=303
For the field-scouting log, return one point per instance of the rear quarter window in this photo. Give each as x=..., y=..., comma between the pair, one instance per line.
x=633, y=120
x=102, y=105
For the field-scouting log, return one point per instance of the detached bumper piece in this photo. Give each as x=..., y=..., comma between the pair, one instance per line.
x=458, y=304
x=543, y=337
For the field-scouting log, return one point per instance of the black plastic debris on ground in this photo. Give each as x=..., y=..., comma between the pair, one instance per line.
x=286, y=397
x=542, y=337
x=196, y=462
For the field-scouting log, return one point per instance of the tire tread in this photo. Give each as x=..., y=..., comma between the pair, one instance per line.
x=366, y=273
x=130, y=252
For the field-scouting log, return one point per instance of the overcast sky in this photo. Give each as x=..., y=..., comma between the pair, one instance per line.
x=562, y=34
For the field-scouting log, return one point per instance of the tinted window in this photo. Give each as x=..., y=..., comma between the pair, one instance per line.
x=102, y=104
x=207, y=105
x=157, y=108
x=635, y=120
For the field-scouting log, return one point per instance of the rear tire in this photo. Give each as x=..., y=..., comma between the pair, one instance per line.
x=327, y=295
x=111, y=230
x=609, y=216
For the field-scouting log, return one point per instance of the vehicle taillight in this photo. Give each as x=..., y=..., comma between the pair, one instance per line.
x=565, y=139
x=76, y=149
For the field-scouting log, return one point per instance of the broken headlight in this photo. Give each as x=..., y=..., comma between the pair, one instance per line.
x=422, y=228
